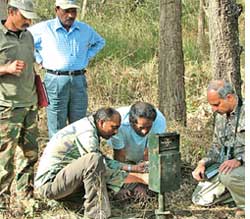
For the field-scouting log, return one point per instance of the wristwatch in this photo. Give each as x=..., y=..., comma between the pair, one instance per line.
x=240, y=160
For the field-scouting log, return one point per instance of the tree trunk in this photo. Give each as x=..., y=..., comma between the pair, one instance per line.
x=201, y=41
x=171, y=63
x=84, y=8
x=225, y=49
x=3, y=9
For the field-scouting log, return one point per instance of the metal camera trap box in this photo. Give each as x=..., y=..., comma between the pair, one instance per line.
x=164, y=162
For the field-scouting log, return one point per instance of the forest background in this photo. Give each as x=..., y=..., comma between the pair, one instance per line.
x=126, y=70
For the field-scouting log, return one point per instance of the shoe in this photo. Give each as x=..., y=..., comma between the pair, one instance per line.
x=239, y=214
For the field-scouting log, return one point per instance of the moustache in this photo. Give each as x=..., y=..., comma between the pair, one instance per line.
x=70, y=20
x=25, y=25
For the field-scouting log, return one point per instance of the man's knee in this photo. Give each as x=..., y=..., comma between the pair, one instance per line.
x=236, y=176
x=226, y=179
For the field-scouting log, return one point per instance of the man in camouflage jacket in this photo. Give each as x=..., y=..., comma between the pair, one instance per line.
x=228, y=146
x=73, y=169
x=18, y=102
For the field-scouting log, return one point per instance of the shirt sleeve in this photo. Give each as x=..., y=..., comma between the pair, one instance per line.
x=87, y=142
x=213, y=154
x=239, y=149
x=95, y=45
x=160, y=124
x=113, y=164
x=36, y=31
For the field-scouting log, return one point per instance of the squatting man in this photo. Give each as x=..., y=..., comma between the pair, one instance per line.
x=228, y=149
x=72, y=165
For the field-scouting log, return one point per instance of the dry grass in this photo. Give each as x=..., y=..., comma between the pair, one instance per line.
x=194, y=140
x=126, y=71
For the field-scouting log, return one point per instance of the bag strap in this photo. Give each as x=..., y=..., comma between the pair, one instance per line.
x=229, y=148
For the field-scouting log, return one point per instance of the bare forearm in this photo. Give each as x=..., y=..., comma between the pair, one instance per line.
x=3, y=70
x=15, y=68
x=137, y=178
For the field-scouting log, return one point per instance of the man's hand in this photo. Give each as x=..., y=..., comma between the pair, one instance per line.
x=15, y=68
x=228, y=165
x=199, y=171
x=141, y=167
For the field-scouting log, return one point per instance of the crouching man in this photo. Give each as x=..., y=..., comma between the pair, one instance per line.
x=228, y=151
x=72, y=166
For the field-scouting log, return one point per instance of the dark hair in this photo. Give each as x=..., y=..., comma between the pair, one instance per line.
x=142, y=110
x=222, y=87
x=104, y=113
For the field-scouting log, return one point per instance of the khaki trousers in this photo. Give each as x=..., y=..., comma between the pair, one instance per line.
x=85, y=174
x=235, y=183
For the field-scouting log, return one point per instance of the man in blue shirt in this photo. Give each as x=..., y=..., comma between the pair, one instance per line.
x=138, y=121
x=130, y=144
x=64, y=47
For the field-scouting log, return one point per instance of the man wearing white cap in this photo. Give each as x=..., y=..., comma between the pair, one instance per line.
x=64, y=47
x=18, y=101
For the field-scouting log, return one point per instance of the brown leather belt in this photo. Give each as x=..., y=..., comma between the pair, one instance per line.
x=68, y=73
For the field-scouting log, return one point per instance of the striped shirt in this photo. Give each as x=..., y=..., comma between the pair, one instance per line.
x=57, y=49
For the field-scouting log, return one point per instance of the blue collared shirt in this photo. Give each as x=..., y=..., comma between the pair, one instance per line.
x=57, y=49
x=128, y=139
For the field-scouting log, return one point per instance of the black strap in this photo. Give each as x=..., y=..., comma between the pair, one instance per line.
x=238, y=117
x=228, y=150
x=67, y=73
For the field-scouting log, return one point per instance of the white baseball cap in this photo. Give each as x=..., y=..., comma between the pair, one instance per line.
x=66, y=4
x=26, y=8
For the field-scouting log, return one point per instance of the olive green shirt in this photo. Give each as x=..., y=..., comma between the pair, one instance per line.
x=17, y=91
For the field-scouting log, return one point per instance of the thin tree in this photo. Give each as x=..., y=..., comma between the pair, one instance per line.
x=201, y=39
x=171, y=64
x=3, y=9
x=84, y=4
x=225, y=49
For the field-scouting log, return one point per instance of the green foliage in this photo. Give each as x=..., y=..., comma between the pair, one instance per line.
x=131, y=36
x=45, y=9
x=126, y=69
x=196, y=81
x=116, y=85
x=190, y=12
x=191, y=50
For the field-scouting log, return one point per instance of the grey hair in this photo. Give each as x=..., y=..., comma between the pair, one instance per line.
x=142, y=110
x=222, y=87
x=105, y=114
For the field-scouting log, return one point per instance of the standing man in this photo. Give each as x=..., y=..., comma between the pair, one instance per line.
x=228, y=147
x=64, y=47
x=18, y=101
x=138, y=121
x=72, y=167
